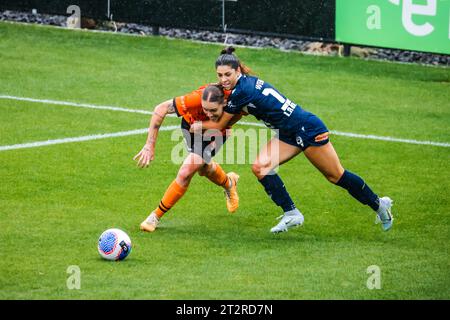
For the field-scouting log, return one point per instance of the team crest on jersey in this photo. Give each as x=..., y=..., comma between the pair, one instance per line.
x=299, y=141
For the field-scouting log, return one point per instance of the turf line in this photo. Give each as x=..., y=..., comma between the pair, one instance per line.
x=113, y=108
x=79, y=139
x=79, y=105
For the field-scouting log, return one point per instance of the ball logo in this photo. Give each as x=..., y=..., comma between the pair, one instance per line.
x=124, y=246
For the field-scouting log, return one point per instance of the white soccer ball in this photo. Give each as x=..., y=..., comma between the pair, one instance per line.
x=114, y=244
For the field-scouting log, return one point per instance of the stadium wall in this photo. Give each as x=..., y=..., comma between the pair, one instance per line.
x=419, y=25
x=306, y=19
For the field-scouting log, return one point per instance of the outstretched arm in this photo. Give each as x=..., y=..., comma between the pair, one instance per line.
x=147, y=154
x=224, y=121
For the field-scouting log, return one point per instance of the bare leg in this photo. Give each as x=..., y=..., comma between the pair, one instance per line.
x=192, y=164
x=275, y=153
x=326, y=160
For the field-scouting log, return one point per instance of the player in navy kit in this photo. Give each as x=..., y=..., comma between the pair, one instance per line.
x=298, y=131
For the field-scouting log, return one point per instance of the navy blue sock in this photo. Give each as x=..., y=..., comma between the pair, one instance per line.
x=359, y=189
x=276, y=190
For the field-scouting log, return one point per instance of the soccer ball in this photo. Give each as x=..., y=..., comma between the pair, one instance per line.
x=114, y=244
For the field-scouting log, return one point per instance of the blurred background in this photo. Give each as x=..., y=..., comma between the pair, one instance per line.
x=393, y=30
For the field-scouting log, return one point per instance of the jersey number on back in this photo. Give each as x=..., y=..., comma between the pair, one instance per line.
x=286, y=105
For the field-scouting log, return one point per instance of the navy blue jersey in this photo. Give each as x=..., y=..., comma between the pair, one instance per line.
x=256, y=97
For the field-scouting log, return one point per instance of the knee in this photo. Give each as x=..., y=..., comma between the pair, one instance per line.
x=260, y=169
x=184, y=176
x=256, y=168
x=207, y=169
x=334, y=177
x=203, y=171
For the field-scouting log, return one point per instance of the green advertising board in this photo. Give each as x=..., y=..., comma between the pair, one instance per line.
x=421, y=25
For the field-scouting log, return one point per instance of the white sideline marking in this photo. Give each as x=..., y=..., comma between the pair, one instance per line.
x=83, y=138
x=119, y=134
x=168, y=128
x=391, y=139
x=79, y=105
x=370, y=136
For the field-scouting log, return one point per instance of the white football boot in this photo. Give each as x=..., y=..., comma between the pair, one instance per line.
x=288, y=220
x=384, y=215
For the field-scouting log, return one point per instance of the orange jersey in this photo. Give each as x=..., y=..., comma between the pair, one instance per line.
x=189, y=106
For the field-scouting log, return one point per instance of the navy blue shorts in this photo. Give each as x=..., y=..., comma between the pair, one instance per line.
x=312, y=132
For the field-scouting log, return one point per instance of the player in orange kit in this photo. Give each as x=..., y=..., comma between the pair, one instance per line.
x=201, y=149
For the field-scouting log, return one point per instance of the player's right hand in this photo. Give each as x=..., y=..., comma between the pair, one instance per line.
x=144, y=157
x=196, y=127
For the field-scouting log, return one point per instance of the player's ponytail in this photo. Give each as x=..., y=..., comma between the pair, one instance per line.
x=228, y=50
x=228, y=58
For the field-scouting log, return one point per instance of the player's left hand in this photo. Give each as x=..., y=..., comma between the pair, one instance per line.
x=144, y=157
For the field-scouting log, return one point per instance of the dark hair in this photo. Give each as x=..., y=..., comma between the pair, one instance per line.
x=228, y=58
x=213, y=93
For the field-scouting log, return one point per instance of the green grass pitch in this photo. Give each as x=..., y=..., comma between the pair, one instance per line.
x=56, y=200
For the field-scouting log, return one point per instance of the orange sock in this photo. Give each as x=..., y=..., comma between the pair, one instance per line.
x=173, y=193
x=218, y=176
